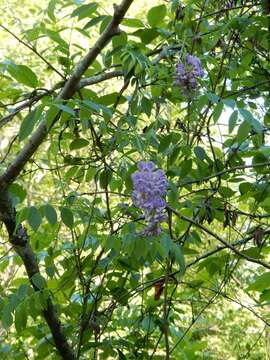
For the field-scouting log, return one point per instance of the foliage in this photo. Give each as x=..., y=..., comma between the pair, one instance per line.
x=89, y=91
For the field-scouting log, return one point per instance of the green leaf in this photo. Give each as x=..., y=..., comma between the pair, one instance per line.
x=165, y=244
x=105, y=23
x=90, y=174
x=185, y=167
x=34, y=218
x=50, y=214
x=200, y=153
x=119, y=40
x=233, y=120
x=28, y=124
x=67, y=217
x=156, y=15
x=113, y=242
x=156, y=90
x=266, y=119
x=39, y=281
x=21, y=317
x=71, y=172
x=179, y=257
x=50, y=116
x=51, y=9
x=92, y=105
x=243, y=131
x=94, y=21
x=7, y=317
x=146, y=35
x=261, y=282
x=66, y=109
x=120, y=294
x=165, y=142
x=78, y=144
x=141, y=247
x=265, y=295
x=111, y=99
x=229, y=102
x=23, y=74
x=84, y=11
x=258, y=159
x=50, y=271
x=226, y=192
x=121, y=355
x=247, y=115
x=147, y=106
x=55, y=36
x=245, y=187
x=134, y=23
x=18, y=191
x=213, y=98
x=105, y=178
x=22, y=291
x=218, y=111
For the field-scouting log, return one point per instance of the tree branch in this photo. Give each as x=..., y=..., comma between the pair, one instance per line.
x=26, y=104
x=220, y=239
x=83, y=83
x=226, y=171
x=18, y=236
x=99, y=78
x=67, y=92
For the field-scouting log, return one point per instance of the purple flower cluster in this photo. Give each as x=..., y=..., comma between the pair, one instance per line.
x=186, y=75
x=150, y=186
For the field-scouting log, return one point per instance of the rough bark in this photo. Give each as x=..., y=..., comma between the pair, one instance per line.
x=18, y=236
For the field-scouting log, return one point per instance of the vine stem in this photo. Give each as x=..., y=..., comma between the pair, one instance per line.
x=165, y=312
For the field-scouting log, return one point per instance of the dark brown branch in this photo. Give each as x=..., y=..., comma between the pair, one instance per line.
x=26, y=104
x=67, y=92
x=226, y=10
x=19, y=240
x=83, y=83
x=18, y=236
x=226, y=171
x=220, y=239
x=99, y=78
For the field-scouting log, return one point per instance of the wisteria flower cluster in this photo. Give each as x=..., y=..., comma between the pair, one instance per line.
x=187, y=74
x=150, y=186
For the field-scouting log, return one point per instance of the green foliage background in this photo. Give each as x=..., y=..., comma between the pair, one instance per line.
x=73, y=196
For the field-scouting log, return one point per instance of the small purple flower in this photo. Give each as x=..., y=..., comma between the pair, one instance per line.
x=186, y=75
x=195, y=65
x=150, y=186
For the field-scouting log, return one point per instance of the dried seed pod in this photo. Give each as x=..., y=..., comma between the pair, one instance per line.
x=258, y=236
x=159, y=287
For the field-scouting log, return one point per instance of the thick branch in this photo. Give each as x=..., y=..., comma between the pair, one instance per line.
x=19, y=239
x=18, y=236
x=83, y=83
x=99, y=78
x=67, y=92
x=26, y=104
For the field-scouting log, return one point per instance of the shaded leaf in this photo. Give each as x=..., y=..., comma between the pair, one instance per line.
x=67, y=217
x=34, y=218
x=156, y=15
x=23, y=74
x=50, y=214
